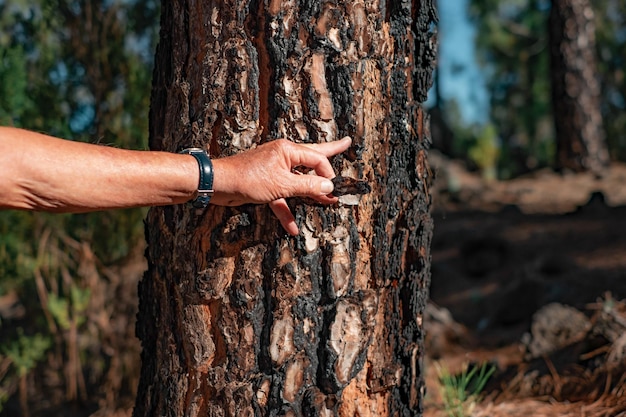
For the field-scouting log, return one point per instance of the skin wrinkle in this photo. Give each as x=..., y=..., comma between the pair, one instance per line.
x=31, y=199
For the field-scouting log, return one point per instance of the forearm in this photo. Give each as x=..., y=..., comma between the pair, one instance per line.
x=50, y=174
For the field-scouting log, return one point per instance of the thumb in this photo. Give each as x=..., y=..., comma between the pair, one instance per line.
x=311, y=186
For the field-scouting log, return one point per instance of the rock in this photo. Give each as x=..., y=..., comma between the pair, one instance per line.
x=555, y=326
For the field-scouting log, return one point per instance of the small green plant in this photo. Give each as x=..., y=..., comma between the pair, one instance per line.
x=23, y=353
x=486, y=151
x=26, y=351
x=68, y=309
x=460, y=392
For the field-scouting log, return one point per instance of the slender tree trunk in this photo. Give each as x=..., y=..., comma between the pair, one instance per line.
x=239, y=319
x=581, y=142
x=441, y=134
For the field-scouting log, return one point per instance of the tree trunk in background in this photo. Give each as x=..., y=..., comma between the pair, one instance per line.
x=581, y=144
x=239, y=319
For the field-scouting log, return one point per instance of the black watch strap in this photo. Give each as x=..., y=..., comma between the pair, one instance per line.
x=205, y=184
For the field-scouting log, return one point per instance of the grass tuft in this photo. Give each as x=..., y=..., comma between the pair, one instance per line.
x=461, y=392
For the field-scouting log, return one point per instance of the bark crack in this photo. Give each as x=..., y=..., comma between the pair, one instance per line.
x=255, y=27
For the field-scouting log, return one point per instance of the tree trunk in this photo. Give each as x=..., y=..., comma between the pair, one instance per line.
x=236, y=317
x=581, y=144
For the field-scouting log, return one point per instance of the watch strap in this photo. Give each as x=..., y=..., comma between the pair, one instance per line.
x=205, y=182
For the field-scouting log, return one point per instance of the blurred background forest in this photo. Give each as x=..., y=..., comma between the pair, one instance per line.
x=492, y=103
x=82, y=70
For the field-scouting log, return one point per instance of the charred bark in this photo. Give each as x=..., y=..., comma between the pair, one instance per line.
x=581, y=142
x=237, y=318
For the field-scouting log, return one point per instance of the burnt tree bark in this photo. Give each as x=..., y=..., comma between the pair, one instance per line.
x=237, y=318
x=581, y=142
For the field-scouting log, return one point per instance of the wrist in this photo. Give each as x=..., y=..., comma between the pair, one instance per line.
x=225, y=183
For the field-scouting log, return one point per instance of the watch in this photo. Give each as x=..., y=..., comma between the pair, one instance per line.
x=205, y=183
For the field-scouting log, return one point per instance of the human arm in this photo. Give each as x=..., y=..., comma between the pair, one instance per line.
x=39, y=172
x=44, y=173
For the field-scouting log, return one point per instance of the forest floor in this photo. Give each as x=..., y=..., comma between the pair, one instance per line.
x=529, y=276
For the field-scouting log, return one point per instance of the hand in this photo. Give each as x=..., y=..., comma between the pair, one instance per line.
x=265, y=175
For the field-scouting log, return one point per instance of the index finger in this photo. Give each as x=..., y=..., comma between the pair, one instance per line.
x=330, y=148
x=318, y=159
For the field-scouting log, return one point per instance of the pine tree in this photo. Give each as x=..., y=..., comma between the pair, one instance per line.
x=236, y=317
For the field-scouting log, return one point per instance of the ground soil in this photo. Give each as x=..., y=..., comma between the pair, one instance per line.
x=529, y=275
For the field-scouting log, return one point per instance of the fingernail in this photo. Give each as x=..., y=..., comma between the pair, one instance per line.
x=327, y=187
